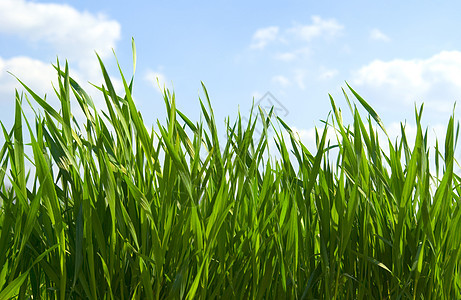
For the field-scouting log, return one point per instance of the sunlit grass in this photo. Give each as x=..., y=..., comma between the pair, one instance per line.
x=115, y=210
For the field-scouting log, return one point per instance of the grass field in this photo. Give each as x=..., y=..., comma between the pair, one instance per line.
x=115, y=210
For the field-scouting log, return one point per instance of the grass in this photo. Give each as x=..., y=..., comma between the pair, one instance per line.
x=115, y=210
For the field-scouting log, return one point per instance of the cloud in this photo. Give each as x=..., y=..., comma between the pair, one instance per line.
x=436, y=133
x=281, y=80
x=256, y=95
x=435, y=80
x=376, y=34
x=299, y=78
x=307, y=136
x=294, y=42
x=319, y=28
x=326, y=74
x=70, y=32
x=33, y=72
x=40, y=77
x=286, y=56
x=292, y=55
x=157, y=79
x=264, y=36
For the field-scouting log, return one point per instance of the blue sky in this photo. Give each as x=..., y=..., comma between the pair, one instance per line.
x=393, y=53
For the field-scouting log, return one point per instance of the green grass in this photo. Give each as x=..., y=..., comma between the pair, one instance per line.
x=115, y=210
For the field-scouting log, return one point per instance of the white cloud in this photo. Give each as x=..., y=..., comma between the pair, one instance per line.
x=319, y=28
x=34, y=73
x=73, y=34
x=264, y=36
x=292, y=55
x=299, y=78
x=435, y=133
x=327, y=73
x=256, y=95
x=40, y=77
x=378, y=35
x=436, y=81
x=281, y=80
x=286, y=56
x=308, y=138
x=298, y=33
x=157, y=79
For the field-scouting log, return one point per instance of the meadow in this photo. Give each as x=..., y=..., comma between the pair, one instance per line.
x=115, y=210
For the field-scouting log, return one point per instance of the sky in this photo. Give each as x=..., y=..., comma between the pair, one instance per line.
x=290, y=54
